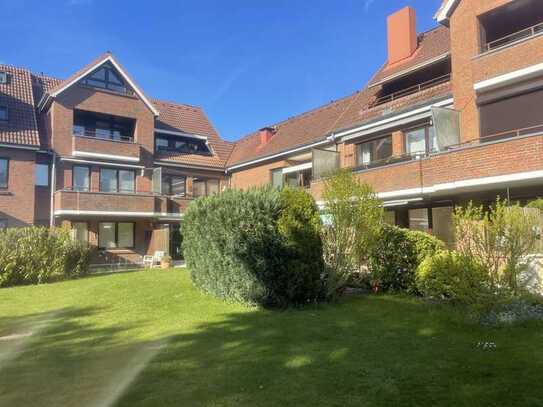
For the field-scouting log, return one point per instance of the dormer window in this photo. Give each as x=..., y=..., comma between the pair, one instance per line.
x=181, y=144
x=3, y=113
x=106, y=77
x=3, y=78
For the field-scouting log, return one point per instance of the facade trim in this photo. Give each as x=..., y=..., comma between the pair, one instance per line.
x=509, y=78
x=75, y=160
x=77, y=153
x=68, y=212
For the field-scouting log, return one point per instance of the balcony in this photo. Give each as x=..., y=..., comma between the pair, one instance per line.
x=85, y=145
x=411, y=90
x=511, y=23
x=67, y=200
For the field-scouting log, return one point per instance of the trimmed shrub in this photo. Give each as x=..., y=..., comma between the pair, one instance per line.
x=396, y=256
x=37, y=255
x=450, y=275
x=258, y=246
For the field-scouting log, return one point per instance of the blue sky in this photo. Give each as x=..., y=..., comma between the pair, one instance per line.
x=248, y=63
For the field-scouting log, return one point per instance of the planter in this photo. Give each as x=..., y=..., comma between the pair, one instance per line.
x=166, y=263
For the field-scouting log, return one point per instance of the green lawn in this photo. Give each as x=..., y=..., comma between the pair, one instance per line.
x=149, y=339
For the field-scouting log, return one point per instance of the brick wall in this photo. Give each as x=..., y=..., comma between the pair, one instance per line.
x=17, y=202
x=255, y=176
x=469, y=67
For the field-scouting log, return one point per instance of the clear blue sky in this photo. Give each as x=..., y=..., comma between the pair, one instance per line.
x=248, y=63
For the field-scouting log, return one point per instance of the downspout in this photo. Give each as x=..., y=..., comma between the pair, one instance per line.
x=53, y=187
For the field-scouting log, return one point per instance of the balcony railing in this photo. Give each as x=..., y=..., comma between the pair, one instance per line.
x=394, y=159
x=514, y=37
x=412, y=90
x=102, y=134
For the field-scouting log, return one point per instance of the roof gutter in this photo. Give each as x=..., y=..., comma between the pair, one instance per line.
x=327, y=140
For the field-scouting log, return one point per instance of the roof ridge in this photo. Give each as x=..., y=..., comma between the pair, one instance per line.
x=181, y=104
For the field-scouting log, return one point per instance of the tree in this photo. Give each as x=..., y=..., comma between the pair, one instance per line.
x=500, y=238
x=353, y=220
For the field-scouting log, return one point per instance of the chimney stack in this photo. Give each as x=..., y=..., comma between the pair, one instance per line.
x=266, y=133
x=402, y=35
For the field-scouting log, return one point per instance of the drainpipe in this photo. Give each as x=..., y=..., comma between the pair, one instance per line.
x=53, y=187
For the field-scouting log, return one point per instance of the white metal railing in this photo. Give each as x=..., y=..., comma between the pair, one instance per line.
x=514, y=37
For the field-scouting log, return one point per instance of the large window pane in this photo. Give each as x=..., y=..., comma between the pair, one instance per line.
x=126, y=181
x=291, y=179
x=108, y=180
x=212, y=186
x=277, y=178
x=42, y=175
x=416, y=141
x=374, y=150
x=4, y=172
x=80, y=232
x=178, y=185
x=106, y=235
x=418, y=219
x=81, y=178
x=126, y=235
x=198, y=188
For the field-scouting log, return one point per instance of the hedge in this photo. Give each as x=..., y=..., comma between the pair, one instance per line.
x=36, y=255
x=396, y=256
x=259, y=246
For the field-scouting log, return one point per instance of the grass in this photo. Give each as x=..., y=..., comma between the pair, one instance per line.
x=150, y=339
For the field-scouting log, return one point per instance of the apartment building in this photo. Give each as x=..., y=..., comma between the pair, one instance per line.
x=94, y=153
x=453, y=115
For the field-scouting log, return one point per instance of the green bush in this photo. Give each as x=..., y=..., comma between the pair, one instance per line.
x=36, y=255
x=396, y=256
x=450, y=275
x=256, y=246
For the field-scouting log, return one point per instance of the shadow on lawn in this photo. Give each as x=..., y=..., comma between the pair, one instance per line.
x=378, y=352
x=63, y=358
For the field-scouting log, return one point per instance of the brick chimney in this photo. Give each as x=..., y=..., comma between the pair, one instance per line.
x=266, y=133
x=402, y=35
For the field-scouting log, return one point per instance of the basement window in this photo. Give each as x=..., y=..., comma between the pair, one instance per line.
x=511, y=23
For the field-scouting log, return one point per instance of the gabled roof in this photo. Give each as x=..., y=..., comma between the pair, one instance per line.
x=21, y=128
x=188, y=119
x=445, y=11
x=87, y=69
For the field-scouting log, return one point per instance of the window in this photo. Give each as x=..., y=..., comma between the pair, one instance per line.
x=106, y=77
x=3, y=78
x=173, y=185
x=277, y=178
x=212, y=186
x=201, y=187
x=4, y=173
x=81, y=178
x=103, y=126
x=181, y=144
x=117, y=180
x=421, y=140
x=515, y=115
x=3, y=224
x=3, y=113
x=116, y=235
x=42, y=175
x=80, y=232
x=374, y=150
x=198, y=188
x=418, y=219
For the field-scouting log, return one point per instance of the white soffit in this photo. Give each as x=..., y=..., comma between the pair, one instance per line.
x=509, y=78
x=296, y=168
x=113, y=157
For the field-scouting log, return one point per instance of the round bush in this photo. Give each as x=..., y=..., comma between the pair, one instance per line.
x=396, y=256
x=452, y=276
x=256, y=246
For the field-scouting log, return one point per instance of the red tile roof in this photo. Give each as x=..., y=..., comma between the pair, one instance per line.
x=21, y=127
x=432, y=44
x=192, y=120
x=348, y=112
